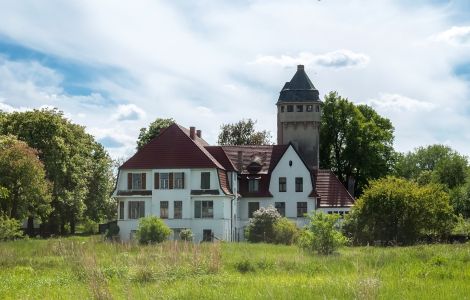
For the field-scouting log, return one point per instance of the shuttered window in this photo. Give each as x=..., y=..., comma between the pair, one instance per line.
x=136, y=181
x=163, y=209
x=136, y=209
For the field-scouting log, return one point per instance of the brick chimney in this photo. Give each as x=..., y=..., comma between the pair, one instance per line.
x=192, y=132
x=199, y=133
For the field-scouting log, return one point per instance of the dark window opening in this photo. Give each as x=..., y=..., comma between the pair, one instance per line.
x=309, y=107
x=290, y=108
x=281, y=208
x=136, y=209
x=301, y=209
x=282, y=108
x=282, y=184
x=253, y=185
x=299, y=184
x=178, y=209
x=203, y=209
x=207, y=235
x=121, y=210
x=300, y=108
x=163, y=209
x=205, y=180
x=252, y=207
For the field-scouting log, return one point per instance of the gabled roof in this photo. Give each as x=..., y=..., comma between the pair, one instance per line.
x=266, y=155
x=299, y=89
x=330, y=191
x=218, y=153
x=173, y=148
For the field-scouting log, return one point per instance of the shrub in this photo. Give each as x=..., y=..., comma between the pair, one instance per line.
x=285, y=232
x=322, y=234
x=152, y=230
x=90, y=226
x=462, y=227
x=112, y=231
x=186, y=235
x=10, y=229
x=396, y=211
x=245, y=266
x=261, y=226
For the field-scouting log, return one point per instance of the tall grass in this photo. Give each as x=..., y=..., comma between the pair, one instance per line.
x=84, y=268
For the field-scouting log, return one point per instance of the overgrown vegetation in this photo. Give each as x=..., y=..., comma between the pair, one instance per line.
x=85, y=268
x=10, y=228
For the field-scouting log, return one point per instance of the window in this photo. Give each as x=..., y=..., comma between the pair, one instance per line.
x=300, y=108
x=164, y=181
x=178, y=209
x=301, y=209
x=203, y=209
x=163, y=209
x=282, y=184
x=121, y=210
x=205, y=180
x=290, y=108
x=309, y=107
x=282, y=108
x=207, y=235
x=281, y=208
x=253, y=185
x=136, y=181
x=252, y=207
x=179, y=180
x=136, y=209
x=317, y=108
x=299, y=184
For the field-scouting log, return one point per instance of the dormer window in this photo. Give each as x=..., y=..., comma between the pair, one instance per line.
x=309, y=108
x=300, y=108
x=290, y=108
x=253, y=185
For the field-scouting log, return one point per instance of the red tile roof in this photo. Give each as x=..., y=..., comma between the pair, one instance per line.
x=223, y=180
x=218, y=153
x=267, y=155
x=330, y=190
x=173, y=148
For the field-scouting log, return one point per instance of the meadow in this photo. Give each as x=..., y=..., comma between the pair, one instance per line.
x=89, y=268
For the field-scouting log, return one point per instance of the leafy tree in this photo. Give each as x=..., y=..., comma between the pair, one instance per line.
x=397, y=211
x=70, y=160
x=10, y=228
x=285, y=232
x=152, y=230
x=154, y=129
x=434, y=163
x=356, y=142
x=243, y=133
x=460, y=199
x=24, y=179
x=261, y=226
x=322, y=234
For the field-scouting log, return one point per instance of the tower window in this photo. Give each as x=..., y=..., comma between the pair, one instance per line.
x=300, y=108
x=290, y=108
x=282, y=108
x=317, y=108
x=309, y=107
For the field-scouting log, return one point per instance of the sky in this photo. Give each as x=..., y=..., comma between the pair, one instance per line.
x=115, y=66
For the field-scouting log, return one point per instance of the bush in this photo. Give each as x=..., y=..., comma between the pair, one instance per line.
x=261, y=226
x=322, y=234
x=462, y=227
x=152, y=230
x=394, y=211
x=285, y=232
x=90, y=226
x=186, y=235
x=10, y=229
x=112, y=231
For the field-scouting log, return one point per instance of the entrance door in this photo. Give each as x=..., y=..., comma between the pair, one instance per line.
x=207, y=235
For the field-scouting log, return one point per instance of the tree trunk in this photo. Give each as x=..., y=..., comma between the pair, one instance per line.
x=30, y=229
x=72, y=225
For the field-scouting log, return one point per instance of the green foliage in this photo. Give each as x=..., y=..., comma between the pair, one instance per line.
x=434, y=163
x=356, y=142
x=25, y=192
x=243, y=133
x=154, y=129
x=261, y=226
x=10, y=228
x=75, y=164
x=462, y=227
x=112, y=231
x=186, y=235
x=285, y=232
x=396, y=211
x=322, y=234
x=152, y=230
x=460, y=199
x=89, y=226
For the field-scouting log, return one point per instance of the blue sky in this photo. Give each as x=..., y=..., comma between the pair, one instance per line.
x=116, y=66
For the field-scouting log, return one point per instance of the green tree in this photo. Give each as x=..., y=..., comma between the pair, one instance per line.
x=397, y=211
x=243, y=133
x=154, y=129
x=24, y=180
x=356, y=142
x=68, y=154
x=460, y=199
x=434, y=163
x=322, y=234
x=285, y=232
x=152, y=230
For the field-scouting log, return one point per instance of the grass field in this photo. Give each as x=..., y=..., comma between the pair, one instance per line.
x=86, y=267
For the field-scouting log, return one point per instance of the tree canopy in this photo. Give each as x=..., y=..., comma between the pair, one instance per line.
x=243, y=133
x=154, y=129
x=356, y=142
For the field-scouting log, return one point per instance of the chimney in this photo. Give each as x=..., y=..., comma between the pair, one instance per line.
x=240, y=161
x=198, y=133
x=300, y=67
x=192, y=132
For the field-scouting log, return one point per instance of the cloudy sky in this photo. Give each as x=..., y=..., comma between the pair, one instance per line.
x=114, y=66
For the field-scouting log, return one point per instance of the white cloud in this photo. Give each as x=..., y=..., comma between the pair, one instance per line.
x=398, y=102
x=334, y=59
x=129, y=112
x=457, y=35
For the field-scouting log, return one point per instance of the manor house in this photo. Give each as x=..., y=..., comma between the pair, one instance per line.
x=214, y=190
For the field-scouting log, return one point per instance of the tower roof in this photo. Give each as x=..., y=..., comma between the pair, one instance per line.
x=299, y=89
